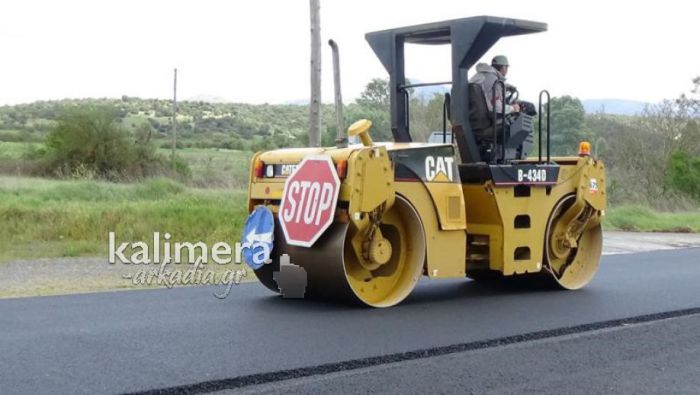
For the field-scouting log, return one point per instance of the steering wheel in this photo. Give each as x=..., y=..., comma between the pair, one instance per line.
x=512, y=94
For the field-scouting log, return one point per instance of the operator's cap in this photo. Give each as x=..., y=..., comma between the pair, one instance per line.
x=499, y=60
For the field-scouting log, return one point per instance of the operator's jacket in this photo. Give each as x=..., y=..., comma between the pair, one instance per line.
x=486, y=76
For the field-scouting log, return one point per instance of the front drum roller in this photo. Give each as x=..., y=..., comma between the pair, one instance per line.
x=572, y=265
x=334, y=272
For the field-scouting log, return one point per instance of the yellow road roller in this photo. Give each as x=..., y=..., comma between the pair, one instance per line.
x=365, y=221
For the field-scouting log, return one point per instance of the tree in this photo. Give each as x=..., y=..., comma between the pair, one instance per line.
x=691, y=102
x=373, y=104
x=568, y=125
x=375, y=95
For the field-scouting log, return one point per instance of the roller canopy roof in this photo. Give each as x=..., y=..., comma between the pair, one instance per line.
x=466, y=33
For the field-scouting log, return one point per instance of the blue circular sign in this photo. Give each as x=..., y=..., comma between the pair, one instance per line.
x=258, y=236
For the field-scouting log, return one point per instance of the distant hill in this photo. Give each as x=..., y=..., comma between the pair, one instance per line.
x=614, y=106
x=298, y=102
x=208, y=99
x=199, y=123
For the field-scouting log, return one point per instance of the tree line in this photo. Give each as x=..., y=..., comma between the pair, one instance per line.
x=652, y=158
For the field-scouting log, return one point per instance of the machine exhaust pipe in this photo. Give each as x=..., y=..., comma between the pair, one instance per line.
x=341, y=140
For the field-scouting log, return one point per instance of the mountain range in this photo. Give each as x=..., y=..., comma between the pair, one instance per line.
x=614, y=106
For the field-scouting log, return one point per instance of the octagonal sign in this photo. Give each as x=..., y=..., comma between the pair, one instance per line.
x=309, y=200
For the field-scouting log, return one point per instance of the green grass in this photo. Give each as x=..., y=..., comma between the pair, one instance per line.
x=55, y=218
x=214, y=167
x=643, y=219
x=68, y=218
x=10, y=150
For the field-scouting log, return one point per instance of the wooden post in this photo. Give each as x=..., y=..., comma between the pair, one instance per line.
x=315, y=100
x=174, y=118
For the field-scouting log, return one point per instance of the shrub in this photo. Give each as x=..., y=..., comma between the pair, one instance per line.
x=684, y=173
x=90, y=143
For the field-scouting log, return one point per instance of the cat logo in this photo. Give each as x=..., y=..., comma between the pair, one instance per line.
x=593, y=186
x=439, y=168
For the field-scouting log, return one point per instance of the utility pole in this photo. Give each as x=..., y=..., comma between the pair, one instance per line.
x=174, y=117
x=315, y=102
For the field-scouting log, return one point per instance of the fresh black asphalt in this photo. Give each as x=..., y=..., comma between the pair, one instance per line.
x=655, y=357
x=157, y=339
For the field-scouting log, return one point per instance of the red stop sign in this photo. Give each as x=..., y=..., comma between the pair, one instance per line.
x=308, y=201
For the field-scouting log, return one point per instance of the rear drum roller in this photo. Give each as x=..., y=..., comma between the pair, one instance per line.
x=334, y=272
x=572, y=266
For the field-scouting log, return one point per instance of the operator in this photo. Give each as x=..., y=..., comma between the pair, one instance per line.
x=486, y=76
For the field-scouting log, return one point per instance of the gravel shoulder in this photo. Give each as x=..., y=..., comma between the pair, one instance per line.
x=615, y=242
x=58, y=276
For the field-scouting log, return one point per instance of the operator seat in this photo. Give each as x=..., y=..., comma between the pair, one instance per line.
x=481, y=120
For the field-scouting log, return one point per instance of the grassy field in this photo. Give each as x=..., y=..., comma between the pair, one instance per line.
x=53, y=218
x=643, y=219
x=210, y=167
x=216, y=167
x=68, y=218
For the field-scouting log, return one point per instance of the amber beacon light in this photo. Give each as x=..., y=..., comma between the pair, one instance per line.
x=584, y=148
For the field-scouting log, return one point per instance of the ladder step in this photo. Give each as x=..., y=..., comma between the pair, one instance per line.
x=478, y=257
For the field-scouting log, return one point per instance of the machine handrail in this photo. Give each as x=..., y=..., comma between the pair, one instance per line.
x=539, y=126
x=446, y=114
x=424, y=84
x=408, y=108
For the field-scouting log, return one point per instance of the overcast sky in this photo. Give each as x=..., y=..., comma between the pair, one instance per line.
x=258, y=51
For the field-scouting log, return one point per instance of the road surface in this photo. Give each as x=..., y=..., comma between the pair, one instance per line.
x=636, y=327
